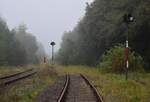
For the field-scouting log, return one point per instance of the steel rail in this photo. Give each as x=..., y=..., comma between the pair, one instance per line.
x=16, y=77
x=98, y=96
x=62, y=96
x=8, y=76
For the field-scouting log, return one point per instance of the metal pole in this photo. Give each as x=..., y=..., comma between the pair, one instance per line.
x=128, y=18
x=52, y=55
x=127, y=62
x=52, y=44
x=127, y=52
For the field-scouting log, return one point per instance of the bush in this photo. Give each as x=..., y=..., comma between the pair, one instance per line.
x=114, y=60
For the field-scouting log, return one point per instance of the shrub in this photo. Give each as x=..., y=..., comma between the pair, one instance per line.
x=114, y=60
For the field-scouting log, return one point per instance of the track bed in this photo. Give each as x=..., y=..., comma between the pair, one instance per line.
x=72, y=88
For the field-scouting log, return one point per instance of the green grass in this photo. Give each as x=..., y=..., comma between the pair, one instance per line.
x=27, y=89
x=114, y=87
x=8, y=70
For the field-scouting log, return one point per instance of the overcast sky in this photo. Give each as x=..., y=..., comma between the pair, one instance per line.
x=46, y=19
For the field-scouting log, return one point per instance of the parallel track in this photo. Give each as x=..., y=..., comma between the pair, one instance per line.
x=7, y=80
x=64, y=94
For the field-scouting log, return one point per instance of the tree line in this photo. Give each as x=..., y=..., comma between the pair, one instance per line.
x=102, y=28
x=18, y=47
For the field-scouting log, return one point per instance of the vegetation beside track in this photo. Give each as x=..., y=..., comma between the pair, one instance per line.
x=114, y=87
x=4, y=71
x=26, y=89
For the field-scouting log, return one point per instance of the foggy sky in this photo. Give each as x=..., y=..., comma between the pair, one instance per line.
x=46, y=19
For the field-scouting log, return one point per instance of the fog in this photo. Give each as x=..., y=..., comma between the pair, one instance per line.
x=46, y=19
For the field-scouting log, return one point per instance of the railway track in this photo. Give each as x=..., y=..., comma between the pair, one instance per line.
x=78, y=88
x=7, y=80
x=70, y=88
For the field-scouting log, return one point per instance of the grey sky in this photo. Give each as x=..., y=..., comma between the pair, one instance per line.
x=46, y=19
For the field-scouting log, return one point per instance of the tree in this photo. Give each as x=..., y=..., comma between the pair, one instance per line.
x=40, y=53
x=114, y=60
x=28, y=42
x=102, y=27
x=11, y=52
x=4, y=45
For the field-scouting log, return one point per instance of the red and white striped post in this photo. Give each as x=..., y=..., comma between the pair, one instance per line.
x=127, y=58
x=128, y=18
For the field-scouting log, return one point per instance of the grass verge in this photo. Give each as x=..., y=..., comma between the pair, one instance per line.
x=27, y=89
x=114, y=87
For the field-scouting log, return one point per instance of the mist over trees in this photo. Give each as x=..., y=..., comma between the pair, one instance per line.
x=102, y=27
x=18, y=47
x=40, y=53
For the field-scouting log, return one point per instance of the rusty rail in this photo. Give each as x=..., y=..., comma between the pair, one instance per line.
x=8, y=76
x=6, y=80
x=64, y=91
x=98, y=96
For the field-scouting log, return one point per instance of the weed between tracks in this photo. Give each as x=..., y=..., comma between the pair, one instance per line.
x=27, y=89
x=114, y=87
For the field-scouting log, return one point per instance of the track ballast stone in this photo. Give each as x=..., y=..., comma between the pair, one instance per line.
x=51, y=93
x=79, y=90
